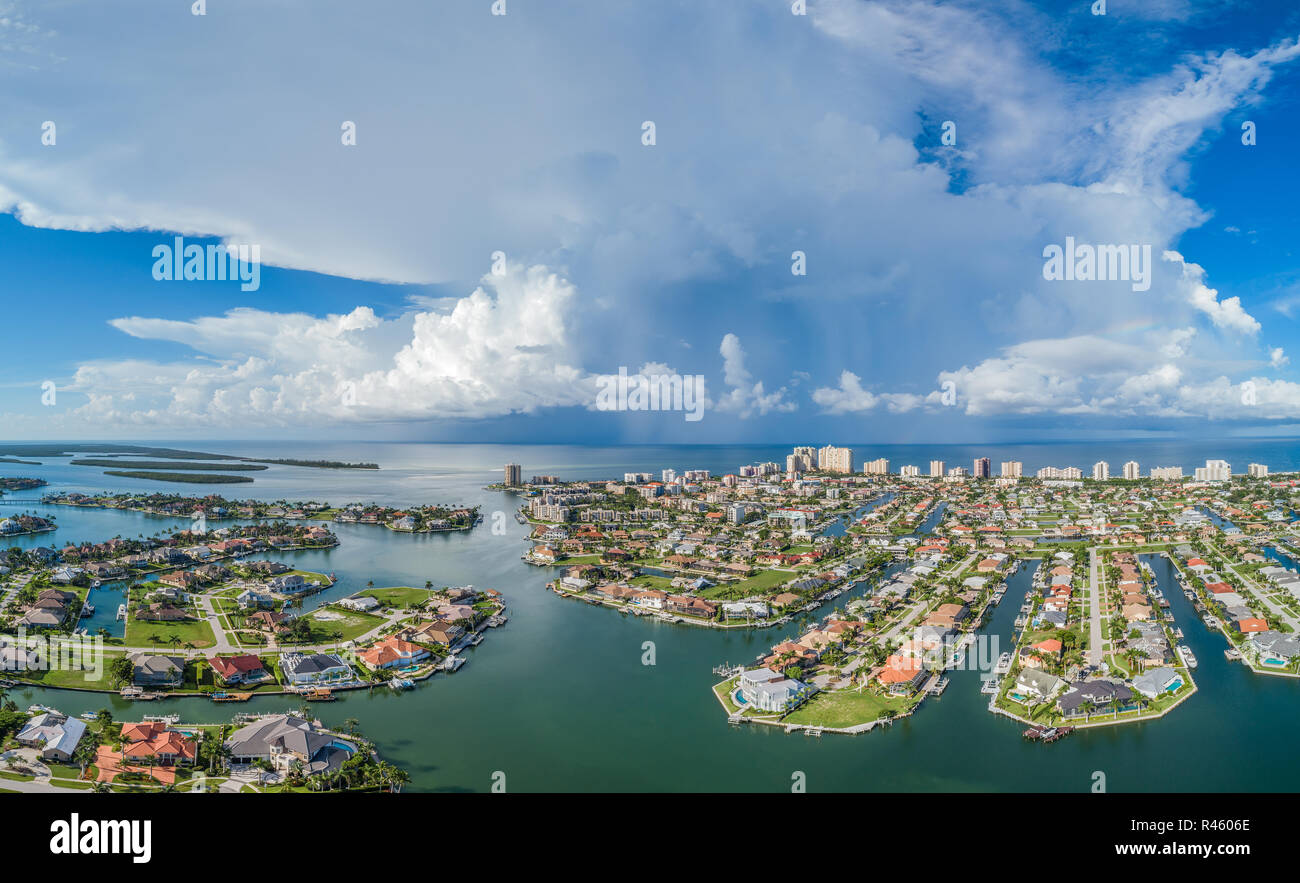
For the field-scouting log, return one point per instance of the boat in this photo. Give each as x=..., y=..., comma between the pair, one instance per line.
x=168, y=719
x=1188, y=656
x=319, y=694
x=1209, y=622
x=88, y=609
x=1178, y=633
x=1004, y=664
x=1047, y=734
x=451, y=663
x=1232, y=654
x=401, y=683
x=121, y=611
x=231, y=697
x=989, y=686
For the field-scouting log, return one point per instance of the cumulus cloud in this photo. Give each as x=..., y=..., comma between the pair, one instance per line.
x=502, y=349
x=745, y=396
x=1227, y=313
x=850, y=397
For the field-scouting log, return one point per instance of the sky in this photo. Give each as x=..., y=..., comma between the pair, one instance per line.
x=464, y=224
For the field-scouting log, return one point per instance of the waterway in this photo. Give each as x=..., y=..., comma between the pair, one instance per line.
x=559, y=699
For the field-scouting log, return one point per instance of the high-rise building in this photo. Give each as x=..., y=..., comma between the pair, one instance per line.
x=1070, y=473
x=1012, y=469
x=514, y=475
x=668, y=476
x=983, y=468
x=1214, y=470
x=910, y=472
x=833, y=459
x=1131, y=471
x=936, y=469
x=1257, y=470
x=876, y=467
x=808, y=453
x=1166, y=473
x=1100, y=470
x=958, y=472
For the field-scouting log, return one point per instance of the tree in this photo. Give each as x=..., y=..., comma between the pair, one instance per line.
x=120, y=671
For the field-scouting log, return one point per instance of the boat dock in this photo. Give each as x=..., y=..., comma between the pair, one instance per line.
x=936, y=686
x=1047, y=734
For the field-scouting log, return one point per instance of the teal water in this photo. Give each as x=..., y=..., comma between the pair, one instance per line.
x=558, y=700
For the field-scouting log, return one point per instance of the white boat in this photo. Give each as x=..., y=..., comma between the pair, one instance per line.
x=1188, y=656
x=1004, y=664
x=989, y=686
x=121, y=611
x=401, y=683
x=451, y=663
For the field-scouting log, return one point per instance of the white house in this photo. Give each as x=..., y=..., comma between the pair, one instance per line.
x=54, y=733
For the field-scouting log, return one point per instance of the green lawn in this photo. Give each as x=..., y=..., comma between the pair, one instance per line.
x=81, y=680
x=196, y=632
x=846, y=708
x=758, y=584
x=398, y=596
x=350, y=624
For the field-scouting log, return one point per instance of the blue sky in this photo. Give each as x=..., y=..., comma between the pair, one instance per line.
x=924, y=315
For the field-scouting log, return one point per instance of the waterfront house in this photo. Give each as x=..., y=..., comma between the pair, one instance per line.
x=161, y=613
x=1277, y=646
x=157, y=671
x=252, y=599
x=435, y=632
x=744, y=609
x=1033, y=685
x=360, y=603
x=456, y=612
x=181, y=579
x=313, y=669
x=284, y=739
x=243, y=669
x=288, y=584
x=1086, y=696
x=901, y=674
x=768, y=690
x=1157, y=681
x=392, y=652
x=154, y=739
x=53, y=733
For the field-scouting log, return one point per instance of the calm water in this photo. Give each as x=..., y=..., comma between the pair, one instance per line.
x=559, y=700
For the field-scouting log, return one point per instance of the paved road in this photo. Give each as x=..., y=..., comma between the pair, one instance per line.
x=1095, y=635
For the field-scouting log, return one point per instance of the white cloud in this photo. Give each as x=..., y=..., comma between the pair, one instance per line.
x=502, y=349
x=745, y=397
x=850, y=397
x=1227, y=313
